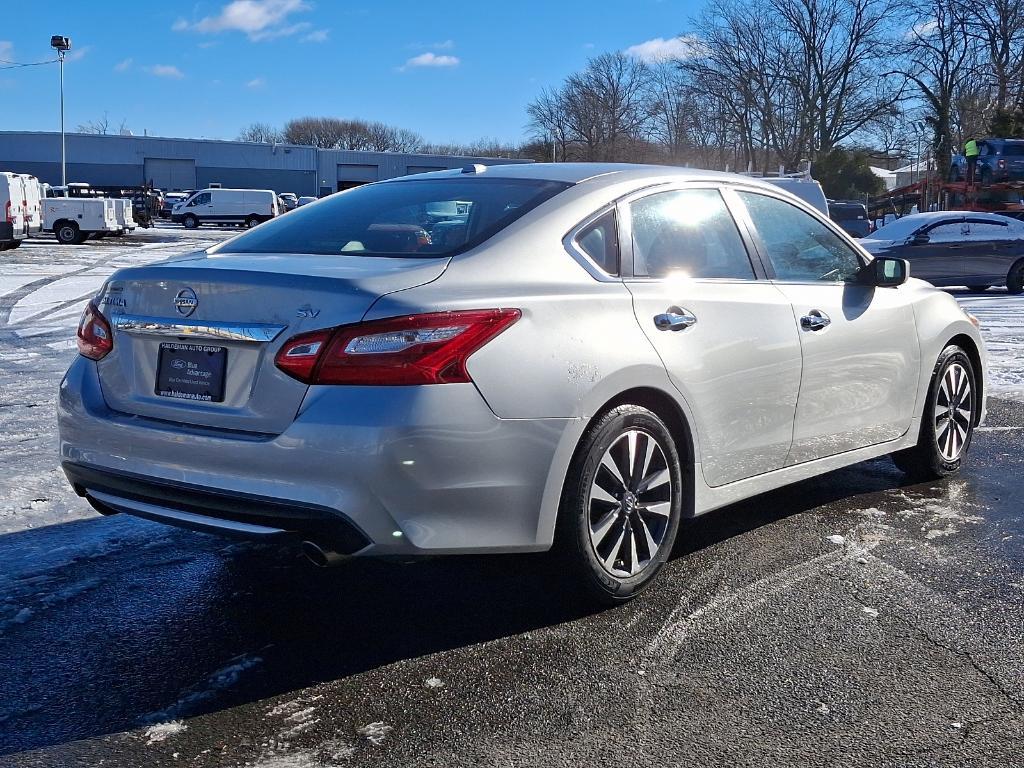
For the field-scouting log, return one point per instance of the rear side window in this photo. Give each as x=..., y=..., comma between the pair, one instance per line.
x=429, y=217
x=799, y=246
x=600, y=241
x=689, y=232
x=1014, y=150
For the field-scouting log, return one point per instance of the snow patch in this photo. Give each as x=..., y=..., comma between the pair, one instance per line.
x=220, y=680
x=836, y=539
x=163, y=731
x=375, y=733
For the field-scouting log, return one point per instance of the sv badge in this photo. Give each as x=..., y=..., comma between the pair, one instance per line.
x=307, y=311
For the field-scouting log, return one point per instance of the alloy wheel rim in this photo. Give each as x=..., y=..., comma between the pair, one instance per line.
x=954, y=405
x=630, y=503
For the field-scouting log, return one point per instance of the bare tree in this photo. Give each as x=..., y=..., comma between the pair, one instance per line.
x=101, y=126
x=999, y=26
x=937, y=52
x=260, y=133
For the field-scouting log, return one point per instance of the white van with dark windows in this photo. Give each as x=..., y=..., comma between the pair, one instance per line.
x=247, y=207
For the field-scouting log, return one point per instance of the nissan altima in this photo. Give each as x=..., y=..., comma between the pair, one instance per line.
x=512, y=359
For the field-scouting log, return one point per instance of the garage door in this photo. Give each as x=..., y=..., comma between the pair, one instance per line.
x=362, y=173
x=171, y=175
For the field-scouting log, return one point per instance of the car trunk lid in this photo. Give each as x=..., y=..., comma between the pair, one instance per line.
x=220, y=319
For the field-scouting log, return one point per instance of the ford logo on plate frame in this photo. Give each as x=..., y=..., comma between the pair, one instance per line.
x=186, y=301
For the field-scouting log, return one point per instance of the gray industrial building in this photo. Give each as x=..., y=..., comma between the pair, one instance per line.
x=173, y=164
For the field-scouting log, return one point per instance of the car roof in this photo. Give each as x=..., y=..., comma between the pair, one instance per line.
x=930, y=216
x=577, y=173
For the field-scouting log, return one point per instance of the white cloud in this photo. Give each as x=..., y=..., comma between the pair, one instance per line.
x=6, y=50
x=430, y=59
x=256, y=82
x=258, y=19
x=166, y=70
x=123, y=66
x=77, y=54
x=661, y=49
x=922, y=29
x=316, y=36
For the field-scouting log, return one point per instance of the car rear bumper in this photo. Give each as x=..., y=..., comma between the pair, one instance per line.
x=384, y=470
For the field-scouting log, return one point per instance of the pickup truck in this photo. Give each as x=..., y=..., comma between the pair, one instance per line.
x=74, y=219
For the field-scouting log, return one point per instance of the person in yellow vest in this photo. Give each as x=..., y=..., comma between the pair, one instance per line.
x=971, y=152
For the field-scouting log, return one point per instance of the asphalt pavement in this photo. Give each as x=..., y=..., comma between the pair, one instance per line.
x=849, y=620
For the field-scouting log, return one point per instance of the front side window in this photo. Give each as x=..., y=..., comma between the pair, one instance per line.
x=799, y=247
x=948, y=233
x=687, y=232
x=201, y=199
x=424, y=217
x=600, y=241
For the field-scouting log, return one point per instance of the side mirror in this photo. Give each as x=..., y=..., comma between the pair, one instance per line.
x=886, y=272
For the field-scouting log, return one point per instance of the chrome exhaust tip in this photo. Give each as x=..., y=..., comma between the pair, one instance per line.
x=320, y=557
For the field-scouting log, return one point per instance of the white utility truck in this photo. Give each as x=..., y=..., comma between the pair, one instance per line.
x=74, y=219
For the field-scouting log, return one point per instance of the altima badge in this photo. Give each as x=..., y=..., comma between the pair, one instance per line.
x=186, y=301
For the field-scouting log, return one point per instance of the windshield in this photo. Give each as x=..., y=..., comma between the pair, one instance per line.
x=429, y=217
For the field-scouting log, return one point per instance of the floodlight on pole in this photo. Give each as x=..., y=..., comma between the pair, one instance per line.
x=62, y=45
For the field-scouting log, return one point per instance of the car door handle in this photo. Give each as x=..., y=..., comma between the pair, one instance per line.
x=815, y=320
x=675, y=319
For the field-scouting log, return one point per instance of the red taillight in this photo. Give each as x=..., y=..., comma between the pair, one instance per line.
x=7, y=213
x=1001, y=162
x=416, y=349
x=95, y=339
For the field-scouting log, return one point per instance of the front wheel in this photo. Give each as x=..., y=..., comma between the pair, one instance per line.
x=621, y=505
x=190, y=222
x=947, y=424
x=68, y=234
x=1015, y=279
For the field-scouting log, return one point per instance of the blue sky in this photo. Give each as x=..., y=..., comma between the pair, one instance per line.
x=455, y=71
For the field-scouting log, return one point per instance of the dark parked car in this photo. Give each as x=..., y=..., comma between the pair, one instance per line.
x=998, y=160
x=978, y=250
x=852, y=217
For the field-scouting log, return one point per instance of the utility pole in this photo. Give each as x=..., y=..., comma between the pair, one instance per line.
x=62, y=45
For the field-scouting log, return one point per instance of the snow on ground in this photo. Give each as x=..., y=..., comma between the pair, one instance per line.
x=43, y=290
x=1002, y=327
x=45, y=286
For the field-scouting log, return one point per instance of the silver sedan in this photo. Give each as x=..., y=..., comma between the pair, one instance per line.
x=510, y=359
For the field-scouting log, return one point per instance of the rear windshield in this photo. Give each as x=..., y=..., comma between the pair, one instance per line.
x=429, y=217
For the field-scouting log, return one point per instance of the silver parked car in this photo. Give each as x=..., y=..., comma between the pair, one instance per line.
x=507, y=359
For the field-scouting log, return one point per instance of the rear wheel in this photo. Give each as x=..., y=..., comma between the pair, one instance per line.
x=978, y=288
x=1015, y=279
x=621, y=505
x=14, y=244
x=67, y=233
x=190, y=221
x=252, y=221
x=947, y=423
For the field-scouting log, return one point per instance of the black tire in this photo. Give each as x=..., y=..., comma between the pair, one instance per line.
x=190, y=222
x=978, y=288
x=985, y=176
x=252, y=221
x=1015, y=278
x=650, y=506
x=14, y=244
x=926, y=460
x=67, y=233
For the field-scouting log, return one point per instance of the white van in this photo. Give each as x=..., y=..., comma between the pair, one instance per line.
x=804, y=187
x=247, y=207
x=13, y=216
x=33, y=203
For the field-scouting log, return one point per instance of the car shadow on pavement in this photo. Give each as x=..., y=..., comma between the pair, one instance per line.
x=126, y=623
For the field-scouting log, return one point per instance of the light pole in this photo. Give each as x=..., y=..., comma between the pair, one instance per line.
x=62, y=45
